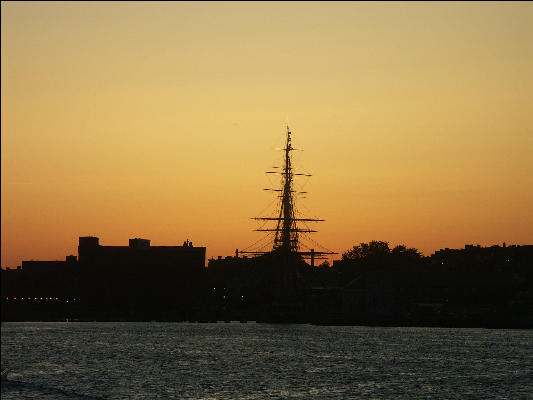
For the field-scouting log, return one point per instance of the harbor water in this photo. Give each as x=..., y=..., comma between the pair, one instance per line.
x=98, y=360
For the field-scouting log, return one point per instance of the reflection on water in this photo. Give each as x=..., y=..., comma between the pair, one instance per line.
x=257, y=361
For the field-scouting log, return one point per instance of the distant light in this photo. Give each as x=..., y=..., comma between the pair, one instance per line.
x=67, y=301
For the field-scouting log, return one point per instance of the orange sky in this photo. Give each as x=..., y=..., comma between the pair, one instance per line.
x=158, y=120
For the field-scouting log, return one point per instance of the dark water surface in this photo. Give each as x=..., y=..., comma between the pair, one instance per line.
x=256, y=361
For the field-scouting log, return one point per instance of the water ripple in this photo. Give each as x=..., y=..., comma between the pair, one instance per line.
x=261, y=361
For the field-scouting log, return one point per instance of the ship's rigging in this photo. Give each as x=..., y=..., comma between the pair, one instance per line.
x=288, y=226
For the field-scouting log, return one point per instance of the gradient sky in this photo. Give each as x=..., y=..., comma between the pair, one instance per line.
x=158, y=120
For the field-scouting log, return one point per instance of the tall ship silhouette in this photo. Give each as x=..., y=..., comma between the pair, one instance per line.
x=288, y=227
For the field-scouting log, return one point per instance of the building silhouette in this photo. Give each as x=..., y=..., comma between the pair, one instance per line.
x=139, y=254
x=139, y=279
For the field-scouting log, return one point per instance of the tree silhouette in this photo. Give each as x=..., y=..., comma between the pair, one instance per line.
x=380, y=250
x=404, y=252
x=367, y=250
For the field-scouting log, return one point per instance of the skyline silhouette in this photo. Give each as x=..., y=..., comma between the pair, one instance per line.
x=373, y=284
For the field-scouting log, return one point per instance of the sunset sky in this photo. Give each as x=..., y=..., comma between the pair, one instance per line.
x=158, y=120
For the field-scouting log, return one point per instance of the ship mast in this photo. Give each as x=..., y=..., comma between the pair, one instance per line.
x=287, y=230
x=287, y=236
